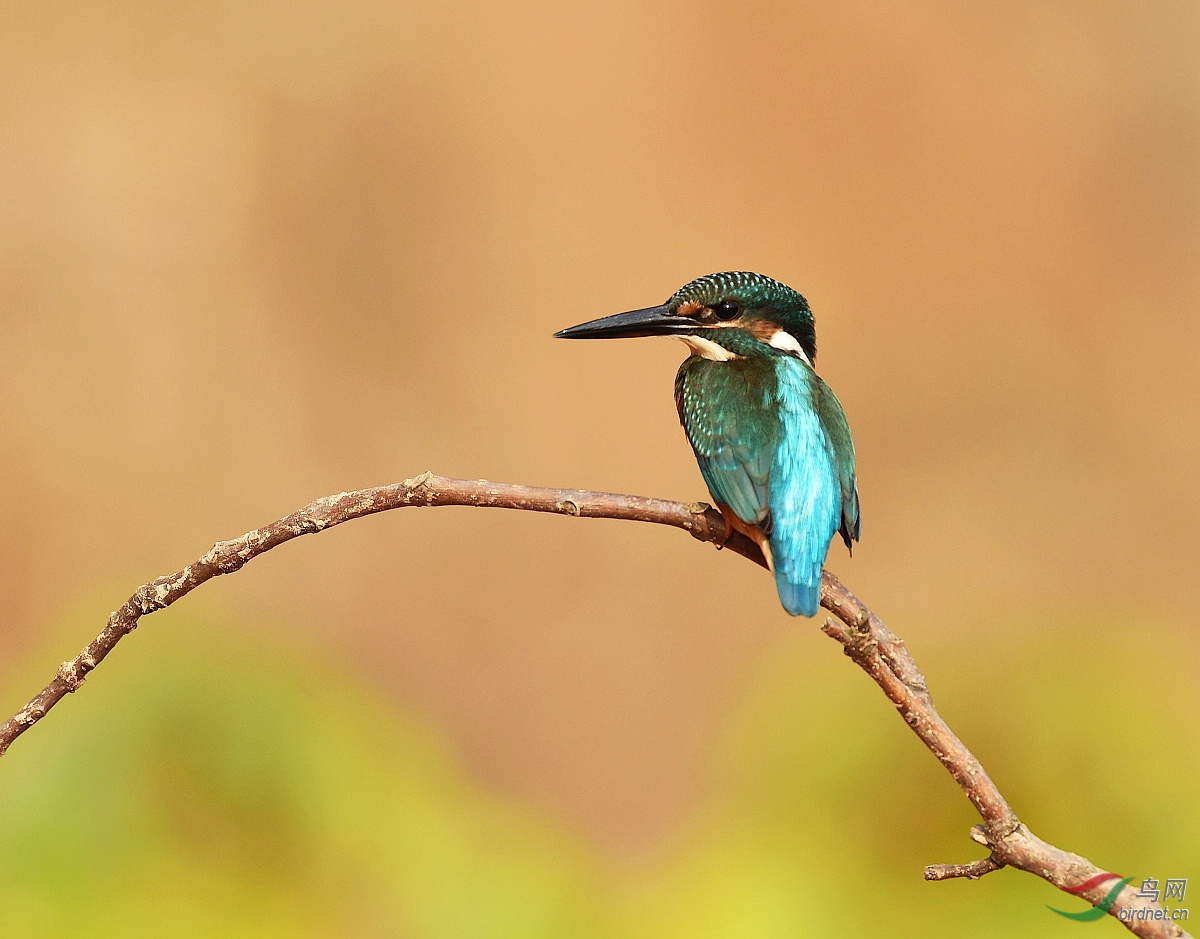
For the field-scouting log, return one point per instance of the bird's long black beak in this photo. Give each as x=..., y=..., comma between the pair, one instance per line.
x=652, y=321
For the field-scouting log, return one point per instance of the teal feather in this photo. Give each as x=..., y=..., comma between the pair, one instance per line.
x=805, y=495
x=773, y=446
x=837, y=429
x=725, y=410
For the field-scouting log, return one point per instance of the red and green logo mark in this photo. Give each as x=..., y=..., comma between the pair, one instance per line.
x=1174, y=888
x=1101, y=908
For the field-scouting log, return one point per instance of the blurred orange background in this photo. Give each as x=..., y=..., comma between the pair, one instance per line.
x=253, y=254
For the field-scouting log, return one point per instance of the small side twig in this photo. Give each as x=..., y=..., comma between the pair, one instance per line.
x=864, y=638
x=972, y=870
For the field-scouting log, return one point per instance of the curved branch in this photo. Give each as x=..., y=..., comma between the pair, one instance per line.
x=865, y=639
x=704, y=522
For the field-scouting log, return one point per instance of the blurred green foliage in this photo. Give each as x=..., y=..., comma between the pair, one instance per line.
x=207, y=785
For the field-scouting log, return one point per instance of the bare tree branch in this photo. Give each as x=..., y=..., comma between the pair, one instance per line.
x=871, y=645
x=879, y=653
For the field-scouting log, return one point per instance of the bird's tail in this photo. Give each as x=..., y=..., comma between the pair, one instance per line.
x=798, y=599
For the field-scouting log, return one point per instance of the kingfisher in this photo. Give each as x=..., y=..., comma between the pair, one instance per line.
x=772, y=441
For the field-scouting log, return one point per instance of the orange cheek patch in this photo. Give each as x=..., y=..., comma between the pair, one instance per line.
x=691, y=308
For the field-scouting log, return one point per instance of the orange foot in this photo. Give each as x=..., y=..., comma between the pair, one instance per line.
x=753, y=532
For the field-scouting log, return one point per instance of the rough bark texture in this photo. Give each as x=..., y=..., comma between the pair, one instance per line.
x=865, y=639
x=883, y=656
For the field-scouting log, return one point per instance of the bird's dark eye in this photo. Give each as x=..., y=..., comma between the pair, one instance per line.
x=726, y=309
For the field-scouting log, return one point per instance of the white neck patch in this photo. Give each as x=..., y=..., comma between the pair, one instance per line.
x=786, y=342
x=709, y=349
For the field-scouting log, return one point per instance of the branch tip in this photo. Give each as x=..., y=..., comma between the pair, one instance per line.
x=972, y=870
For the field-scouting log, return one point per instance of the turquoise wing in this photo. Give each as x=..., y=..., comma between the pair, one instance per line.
x=837, y=429
x=726, y=411
x=805, y=492
x=764, y=452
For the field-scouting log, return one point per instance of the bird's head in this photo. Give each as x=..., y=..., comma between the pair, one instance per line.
x=738, y=311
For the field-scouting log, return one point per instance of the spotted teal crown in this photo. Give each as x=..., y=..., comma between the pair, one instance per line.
x=760, y=297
